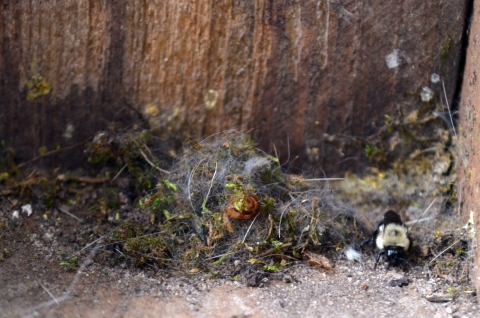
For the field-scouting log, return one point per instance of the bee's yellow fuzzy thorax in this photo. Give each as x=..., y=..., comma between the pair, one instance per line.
x=392, y=235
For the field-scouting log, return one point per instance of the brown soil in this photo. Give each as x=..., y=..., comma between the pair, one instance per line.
x=32, y=283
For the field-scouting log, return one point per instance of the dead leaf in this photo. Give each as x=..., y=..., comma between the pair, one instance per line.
x=195, y=271
x=226, y=223
x=446, y=277
x=317, y=260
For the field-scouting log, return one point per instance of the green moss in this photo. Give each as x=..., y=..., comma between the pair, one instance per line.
x=70, y=264
x=160, y=203
x=267, y=205
x=129, y=231
x=145, y=249
x=373, y=153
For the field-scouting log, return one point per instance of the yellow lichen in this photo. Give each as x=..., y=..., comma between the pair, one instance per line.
x=36, y=86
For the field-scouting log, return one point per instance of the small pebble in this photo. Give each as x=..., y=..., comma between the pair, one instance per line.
x=287, y=279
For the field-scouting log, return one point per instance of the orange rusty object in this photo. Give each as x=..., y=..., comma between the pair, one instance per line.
x=248, y=211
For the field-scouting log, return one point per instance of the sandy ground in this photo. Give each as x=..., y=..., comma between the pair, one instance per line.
x=32, y=284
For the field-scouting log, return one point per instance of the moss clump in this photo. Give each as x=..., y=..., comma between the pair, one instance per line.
x=144, y=249
x=375, y=154
x=127, y=150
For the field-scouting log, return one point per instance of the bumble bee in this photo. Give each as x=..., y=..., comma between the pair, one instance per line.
x=392, y=239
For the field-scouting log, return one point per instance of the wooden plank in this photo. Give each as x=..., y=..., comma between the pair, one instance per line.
x=468, y=155
x=292, y=73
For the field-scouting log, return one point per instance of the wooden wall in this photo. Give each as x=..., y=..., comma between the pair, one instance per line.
x=292, y=73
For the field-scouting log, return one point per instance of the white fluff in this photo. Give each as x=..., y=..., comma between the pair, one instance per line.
x=353, y=255
x=15, y=215
x=27, y=208
x=392, y=59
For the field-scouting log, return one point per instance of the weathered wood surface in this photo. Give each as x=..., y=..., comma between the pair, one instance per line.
x=468, y=161
x=287, y=71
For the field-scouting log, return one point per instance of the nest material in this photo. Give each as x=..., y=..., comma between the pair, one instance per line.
x=225, y=200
